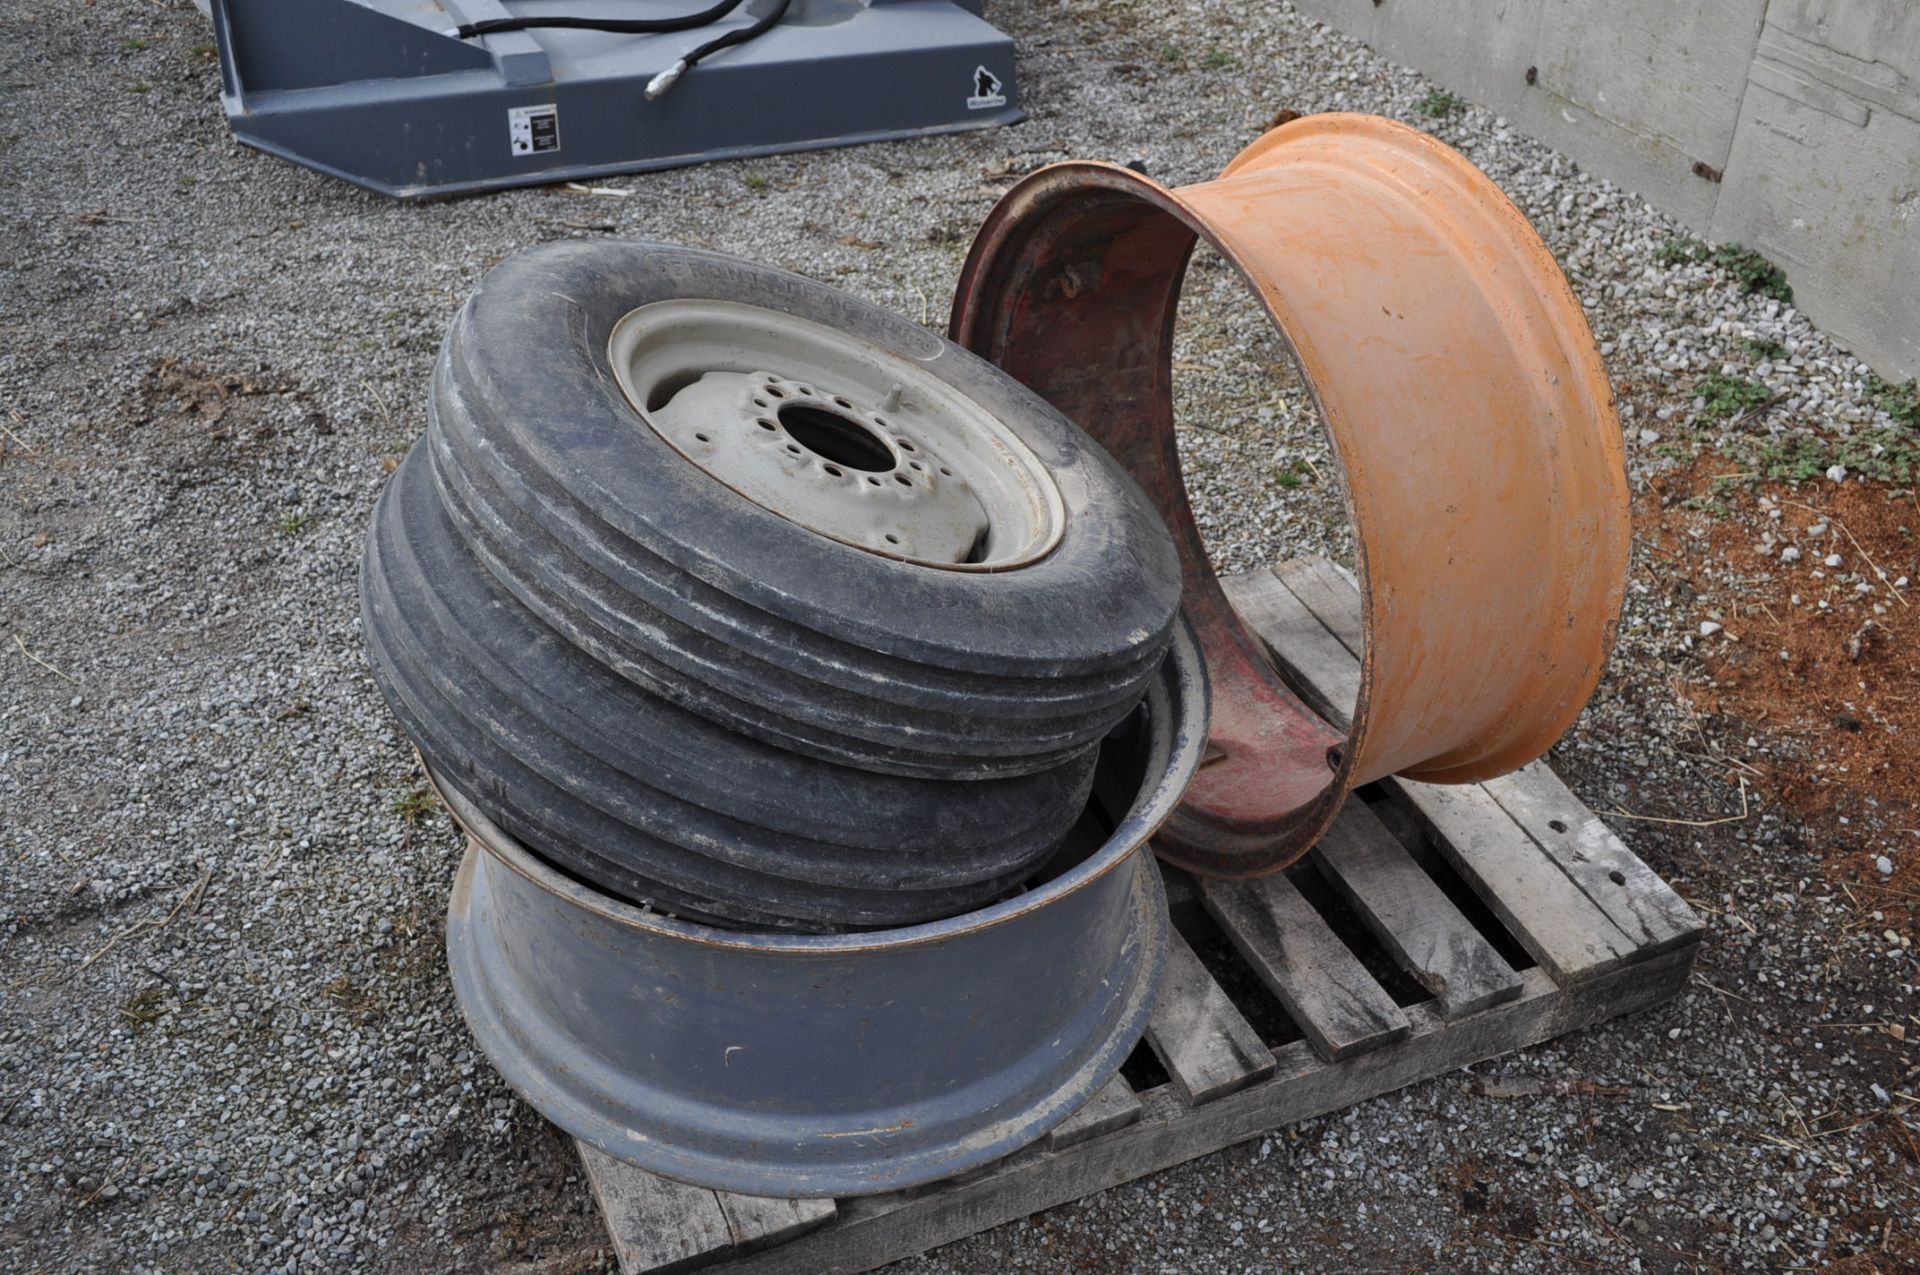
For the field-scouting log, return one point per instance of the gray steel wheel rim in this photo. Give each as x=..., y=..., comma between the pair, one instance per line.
x=916, y=471
x=513, y=917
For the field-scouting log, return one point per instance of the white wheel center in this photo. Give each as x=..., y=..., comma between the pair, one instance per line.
x=844, y=438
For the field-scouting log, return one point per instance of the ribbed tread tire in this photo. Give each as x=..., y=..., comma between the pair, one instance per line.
x=656, y=804
x=596, y=523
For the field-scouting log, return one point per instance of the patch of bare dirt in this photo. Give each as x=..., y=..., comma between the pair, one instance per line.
x=1815, y=592
x=204, y=416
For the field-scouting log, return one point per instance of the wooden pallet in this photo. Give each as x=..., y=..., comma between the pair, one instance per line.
x=1432, y=928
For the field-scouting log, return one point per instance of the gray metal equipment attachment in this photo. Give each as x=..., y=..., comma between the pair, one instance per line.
x=385, y=94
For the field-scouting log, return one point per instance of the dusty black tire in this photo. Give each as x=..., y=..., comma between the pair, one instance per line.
x=656, y=804
x=589, y=517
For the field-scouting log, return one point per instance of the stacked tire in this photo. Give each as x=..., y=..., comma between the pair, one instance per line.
x=720, y=692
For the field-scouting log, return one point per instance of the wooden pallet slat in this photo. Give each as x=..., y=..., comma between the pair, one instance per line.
x=1322, y=984
x=1631, y=894
x=1540, y=905
x=1411, y=916
x=756, y=1223
x=1115, y=1107
x=656, y=1225
x=1323, y=670
x=1204, y=1042
x=1544, y=906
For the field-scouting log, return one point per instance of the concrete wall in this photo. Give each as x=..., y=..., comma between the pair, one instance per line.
x=1792, y=126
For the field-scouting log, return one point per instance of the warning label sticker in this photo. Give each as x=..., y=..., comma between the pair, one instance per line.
x=532, y=130
x=986, y=91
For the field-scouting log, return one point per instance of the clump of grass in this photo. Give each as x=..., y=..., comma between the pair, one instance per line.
x=1293, y=474
x=1173, y=55
x=416, y=805
x=1763, y=347
x=1730, y=395
x=756, y=182
x=356, y=1001
x=293, y=524
x=144, y=1008
x=1902, y=402
x=1438, y=104
x=1711, y=505
x=1216, y=59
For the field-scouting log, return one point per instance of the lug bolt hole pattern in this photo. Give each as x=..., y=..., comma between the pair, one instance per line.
x=675, y=360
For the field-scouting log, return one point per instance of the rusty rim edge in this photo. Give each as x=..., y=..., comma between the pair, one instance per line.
x=1025, y=210
x=1199, y=845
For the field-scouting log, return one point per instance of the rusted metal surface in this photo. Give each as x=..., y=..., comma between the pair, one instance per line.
x=1463, y=395
x=795, y=1066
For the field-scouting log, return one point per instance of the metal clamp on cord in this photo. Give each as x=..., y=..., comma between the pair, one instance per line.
x=1464, y=398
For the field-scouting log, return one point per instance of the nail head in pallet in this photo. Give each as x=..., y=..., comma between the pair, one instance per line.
x=1605, y=935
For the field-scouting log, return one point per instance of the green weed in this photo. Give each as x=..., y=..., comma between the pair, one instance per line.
x=1902, y=402
x=1753, y=272
x=416, y=805
x=1294, y=473
x=1680, y=249
x=1438, y=104
x=1730, y=395
x=1883, y=455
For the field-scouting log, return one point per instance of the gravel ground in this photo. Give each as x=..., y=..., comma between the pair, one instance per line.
x=226, y=1036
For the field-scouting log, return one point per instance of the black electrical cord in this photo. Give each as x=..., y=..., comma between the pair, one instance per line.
x=660, y=83
x=619, y=26
x=740, y=35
